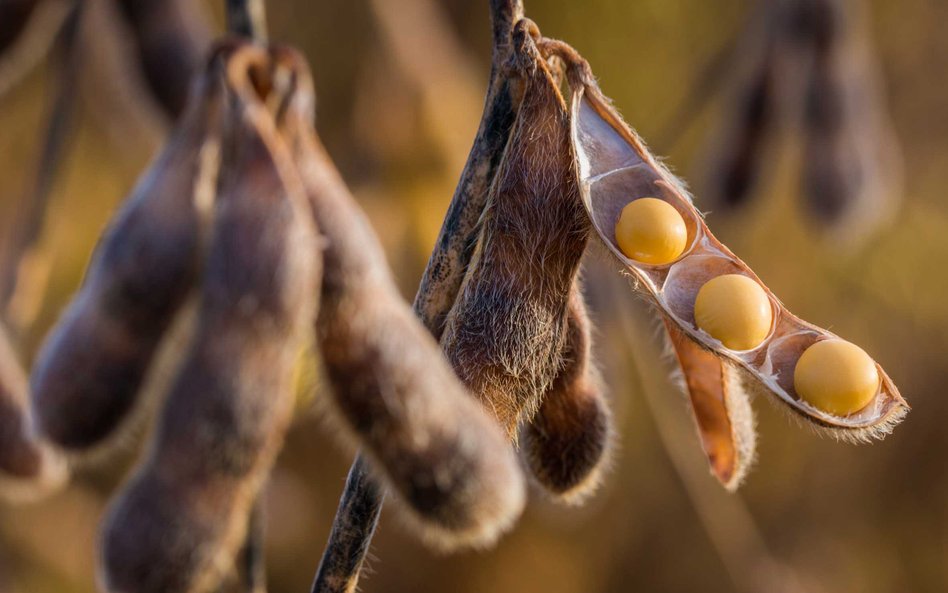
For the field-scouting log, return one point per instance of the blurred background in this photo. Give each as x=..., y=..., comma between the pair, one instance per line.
x=400, y=86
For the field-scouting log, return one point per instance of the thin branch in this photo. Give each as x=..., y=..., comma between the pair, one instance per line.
x=247, y=18
x=361, y=502
x=252, y=568
x=352, y=531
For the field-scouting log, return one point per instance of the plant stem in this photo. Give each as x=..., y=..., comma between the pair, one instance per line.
x=352, y=531
x=361, y=502
x=247, y=18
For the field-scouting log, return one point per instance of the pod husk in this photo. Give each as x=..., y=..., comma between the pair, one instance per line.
x=449, y=464
x=457, y=239
x=615, y=168
x=178, y=523
x=142, y=271
x=29, y=469
x=566, y=445
x=506, y=331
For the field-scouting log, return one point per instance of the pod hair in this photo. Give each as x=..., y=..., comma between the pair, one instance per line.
x=566, y=445
x=439, y=451
x=140, y=275
x=180, y=520
x=28, y=468
x=507, y=328
x=458, y=237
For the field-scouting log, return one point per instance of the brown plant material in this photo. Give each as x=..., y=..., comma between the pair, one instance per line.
x=740, y=149
x=851, y=166
x=179, y=522
x=720, y=406
x=140, y=274
x=442, y=454
x=507, y=328
x=28, y=468
x=458, y=237
x=566, y=444
x=171, y=37
x=616, y=168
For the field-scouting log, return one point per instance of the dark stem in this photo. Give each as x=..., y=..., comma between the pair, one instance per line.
x=361, y=502
x=352, y=530
x=28, y=222
x=253, y=569
x=247, y=18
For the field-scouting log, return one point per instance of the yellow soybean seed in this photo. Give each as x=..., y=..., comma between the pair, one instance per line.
x=836, y=376
x=735, y=310
x=651, y=231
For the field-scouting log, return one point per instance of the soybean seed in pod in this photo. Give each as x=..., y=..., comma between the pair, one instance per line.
x=836, y=376
x=651, y=231
x=735, y=310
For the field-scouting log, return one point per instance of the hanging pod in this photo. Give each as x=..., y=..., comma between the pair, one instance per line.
x=506, y=331
x=457, y=239
x=449, y=463
x=28, y=467
x=851, y=163
x=566, y=444
x=616, y=169
x=143, y=269
x=179, y=521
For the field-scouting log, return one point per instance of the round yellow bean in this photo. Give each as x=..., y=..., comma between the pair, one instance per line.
x=651, y=231
x=735, y=310
x=836, y=376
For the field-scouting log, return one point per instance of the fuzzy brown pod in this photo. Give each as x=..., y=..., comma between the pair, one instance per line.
x=28, y=468
x=458, y=236
x=851, y=158
x=143, y=268
x=615, y=169
x=179, y=521
x=171, y=38
x=742, y=147
x=439, y=451
x=566, y=444
x=505, y=332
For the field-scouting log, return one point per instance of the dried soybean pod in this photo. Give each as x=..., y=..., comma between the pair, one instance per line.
x=505, y=333
x=566, y=444
x=740, y=148
x=171, y=37
x=28, y=468
x=178, y=523
x=435, y=446
x=720, y=407
x=90, y=369
x=455, y=245
x=851, y=163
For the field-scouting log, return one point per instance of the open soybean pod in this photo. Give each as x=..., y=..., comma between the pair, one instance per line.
x=446, y=459
x=566, y=443
x=616, y=170
x=851, y=160
x=505, y=334
x=179, y=522
x=28, y=468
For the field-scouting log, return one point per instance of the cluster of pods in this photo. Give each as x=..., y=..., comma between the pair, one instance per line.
x=242, y=241
x=807, y=67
